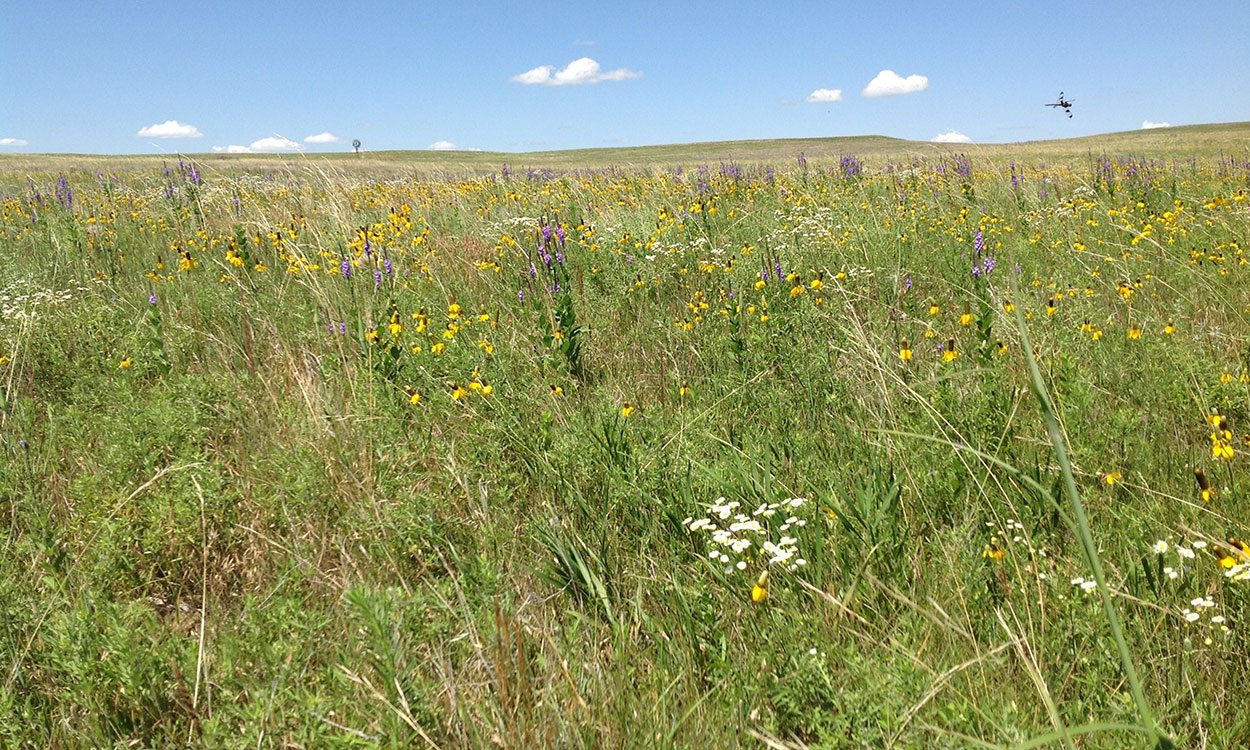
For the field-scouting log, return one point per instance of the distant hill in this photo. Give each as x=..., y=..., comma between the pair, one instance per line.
x=1182, y=141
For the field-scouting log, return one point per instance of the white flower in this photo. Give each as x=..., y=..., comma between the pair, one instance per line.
x=1161, y=547
x=1089, y=586
x=1198, y=544
x=1185, y=552
x=742, y=565
x=1190, y=616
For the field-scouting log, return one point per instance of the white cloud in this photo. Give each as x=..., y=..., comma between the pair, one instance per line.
x=324, y=138
x=825, y=95
x=170, y=129
x=581, y=70
x=13, y=142
x=441, y=146
x=269, y=145
x=1147, y=125
x=272, y=144
x=889, y=83
x=951, y=136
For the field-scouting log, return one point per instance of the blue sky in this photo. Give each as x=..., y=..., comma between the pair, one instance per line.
x=89, y=76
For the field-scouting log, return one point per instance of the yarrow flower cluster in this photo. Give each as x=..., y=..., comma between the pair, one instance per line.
x=739, y=538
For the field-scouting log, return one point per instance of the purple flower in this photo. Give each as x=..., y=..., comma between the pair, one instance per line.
x=988, y=264
x=520, y=295
x=342, y=326
x=976, y=270
x=347, y=268
x=387, y=263
x=152, y=298
x=377, y=277
x=978, y=242
x=559, y=257
x=907, y=284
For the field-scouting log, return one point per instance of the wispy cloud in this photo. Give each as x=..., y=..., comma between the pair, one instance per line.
x=441, y=146
x=1148, y=125
x=326, y=137
x=951, y=136
x=581, y=70
x=824, y=95
x=889, y=83
x=270, y=145
x=14, y=142
x=170, y=129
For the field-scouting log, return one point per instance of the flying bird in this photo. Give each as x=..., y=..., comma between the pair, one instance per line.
x=1064, y=103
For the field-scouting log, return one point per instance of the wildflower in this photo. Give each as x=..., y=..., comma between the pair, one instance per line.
x=1134, y=332
x=1002, y=348
x=966, y=319
x=125, y=363
x=1161, y=547
x=1169, y=329
x=1205, y=490
x=458, y=392
x=1050, y=306
x=627, y=411
x=760, y=589
x=904, y=353
x=556, y=390
x=951, y=354
x=934, y=309
x=1009, y=307
x=683, y=390
x=994, y=552
x=1112, y=477
x=414, y=397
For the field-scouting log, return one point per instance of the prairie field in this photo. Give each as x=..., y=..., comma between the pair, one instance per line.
x=838, y=443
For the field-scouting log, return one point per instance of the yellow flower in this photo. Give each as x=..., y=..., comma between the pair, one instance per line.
x=904, y=353
x=556, y=390
x=487, y=389
x=951, y=353
x=1170, y=328
x=458, y=392
x=1134, y=333
x=125, y=363
x=994, y=552
x=1002, y=348
x=1111, y=478
x=934, y=309
x=683, y=390
x=414, y=397
x=816, y=285
x=760, y=589
x=627, y=411
x=1009, y=307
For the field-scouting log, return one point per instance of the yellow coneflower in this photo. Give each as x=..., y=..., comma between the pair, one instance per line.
x=627, y=411
x=683, y=390
x=994, y=552
x=1009, y=307
x=951, y=353
x=966, y=319
x=1169, y=329
x=760, y=589
x=934, y=309
x=1204, y=485
x=1134, y=332
x=1050, y=306
x=1002, y=348
x=458, y=392
x=556, y=390
x=125, y=363
x=904, y=352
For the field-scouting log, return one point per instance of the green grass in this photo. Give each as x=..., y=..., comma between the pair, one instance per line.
x=252, y=512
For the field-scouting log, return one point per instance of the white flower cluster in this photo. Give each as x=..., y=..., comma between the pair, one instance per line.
x=15, y=306
x=1086, y=586
x=736, y=532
